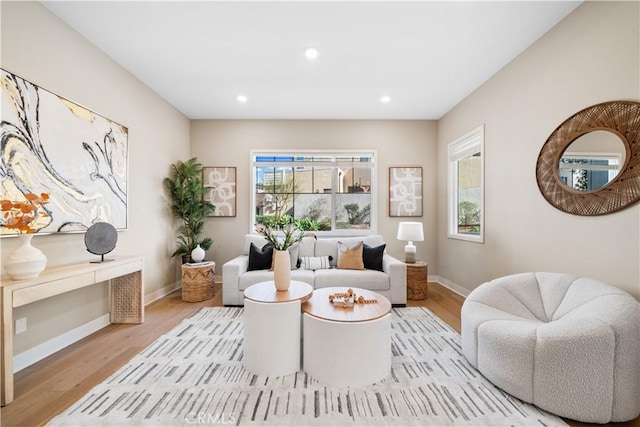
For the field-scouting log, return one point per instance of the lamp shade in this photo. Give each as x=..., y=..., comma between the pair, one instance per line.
x=410, y=231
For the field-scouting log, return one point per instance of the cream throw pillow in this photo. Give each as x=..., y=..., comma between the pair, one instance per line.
x=350, y=258
x=314, y=263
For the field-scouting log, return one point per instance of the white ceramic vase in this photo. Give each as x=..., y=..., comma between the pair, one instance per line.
x=281, y=270
x=26, y=261
x=197, y=254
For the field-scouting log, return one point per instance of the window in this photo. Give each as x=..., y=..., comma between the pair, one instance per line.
x=466, y=187
x=329, y=192
x=589, y=171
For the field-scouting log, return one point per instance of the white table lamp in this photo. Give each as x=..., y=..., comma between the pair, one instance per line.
x=411, y=232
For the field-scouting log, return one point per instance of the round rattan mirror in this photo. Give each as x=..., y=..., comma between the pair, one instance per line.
x=621, y=118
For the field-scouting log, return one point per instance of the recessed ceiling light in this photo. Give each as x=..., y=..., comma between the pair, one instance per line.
x=242, y=99
x=311, y=53
x=385, y=99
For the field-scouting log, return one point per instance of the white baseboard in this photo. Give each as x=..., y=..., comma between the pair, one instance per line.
x=47, y=348
x=155, y=296
x=460, y=290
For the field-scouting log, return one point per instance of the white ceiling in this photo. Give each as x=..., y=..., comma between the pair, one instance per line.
x=200, y=55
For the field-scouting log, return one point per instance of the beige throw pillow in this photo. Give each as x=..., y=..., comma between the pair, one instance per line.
x=350, y=258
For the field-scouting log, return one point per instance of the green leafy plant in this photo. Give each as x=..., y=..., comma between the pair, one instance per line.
x=307, y=224
x=186, y=192
x=291, y=234
x=468, y=217
x=356, y=215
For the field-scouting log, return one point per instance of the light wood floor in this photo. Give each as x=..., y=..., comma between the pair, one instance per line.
x=50, y=386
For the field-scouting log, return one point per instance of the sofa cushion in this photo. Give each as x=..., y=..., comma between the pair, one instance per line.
x=327, y=247
x=366, y=279
x=373, y=240
x=372, y=257
x=294, y=254
x=350, y=258
x=260, y=258
x=256, y=239
x=307, y=247
x=314, y=262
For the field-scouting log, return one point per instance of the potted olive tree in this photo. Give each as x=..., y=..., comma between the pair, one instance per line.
x=186, y=191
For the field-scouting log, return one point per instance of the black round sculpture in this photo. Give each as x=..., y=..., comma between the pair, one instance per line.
x=101, y=239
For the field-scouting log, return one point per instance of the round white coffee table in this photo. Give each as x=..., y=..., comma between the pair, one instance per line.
x=272, y=328
x=347, y=346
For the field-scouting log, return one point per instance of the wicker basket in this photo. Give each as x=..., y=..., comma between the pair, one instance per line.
x=417, y=280
x=198, y=281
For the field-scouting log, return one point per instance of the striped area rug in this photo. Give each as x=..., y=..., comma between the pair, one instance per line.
x=193, y=376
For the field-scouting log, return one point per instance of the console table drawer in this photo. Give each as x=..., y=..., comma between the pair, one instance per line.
x=45, y=290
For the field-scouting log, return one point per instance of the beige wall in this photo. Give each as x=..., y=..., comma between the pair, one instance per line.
x=398, y=143
x=42, y=49
x=591, y=56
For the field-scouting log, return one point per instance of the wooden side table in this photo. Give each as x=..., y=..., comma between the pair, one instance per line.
x=198, y=281
x=417, y=280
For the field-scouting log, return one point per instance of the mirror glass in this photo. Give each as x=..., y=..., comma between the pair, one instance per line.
x=592, y=161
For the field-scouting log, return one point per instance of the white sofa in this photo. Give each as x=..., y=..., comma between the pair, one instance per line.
x=568, y=345
x=391, y=282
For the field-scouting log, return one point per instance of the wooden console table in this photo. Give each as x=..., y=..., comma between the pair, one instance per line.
x=125, y=276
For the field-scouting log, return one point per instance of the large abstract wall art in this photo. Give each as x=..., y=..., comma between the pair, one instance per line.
x=52, y=145
x=405, y=191
x=220, y=186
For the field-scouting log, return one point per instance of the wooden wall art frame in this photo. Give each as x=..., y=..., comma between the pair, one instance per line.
x=622, y=118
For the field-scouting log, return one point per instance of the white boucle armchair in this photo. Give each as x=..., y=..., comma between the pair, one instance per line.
x=568, y=345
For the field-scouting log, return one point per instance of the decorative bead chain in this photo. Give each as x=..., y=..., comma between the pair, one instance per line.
x=349, y=294
x=361, y=300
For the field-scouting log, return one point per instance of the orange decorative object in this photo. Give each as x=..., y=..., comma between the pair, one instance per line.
x=21, y=215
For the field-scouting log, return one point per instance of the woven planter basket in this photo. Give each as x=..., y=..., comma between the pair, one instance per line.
x=198, y=282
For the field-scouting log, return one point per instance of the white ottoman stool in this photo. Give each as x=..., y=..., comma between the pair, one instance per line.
x=569, y=345
x=271, y=338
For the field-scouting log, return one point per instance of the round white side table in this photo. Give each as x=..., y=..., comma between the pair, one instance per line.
x=347, y=346
x=272, y=328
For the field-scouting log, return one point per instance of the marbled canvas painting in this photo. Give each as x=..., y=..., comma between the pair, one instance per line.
x=52, y=145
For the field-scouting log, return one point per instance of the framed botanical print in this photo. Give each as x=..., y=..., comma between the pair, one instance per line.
x=220, y=189
x=405, y=191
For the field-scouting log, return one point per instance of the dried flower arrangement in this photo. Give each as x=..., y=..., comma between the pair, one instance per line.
x=22, y=215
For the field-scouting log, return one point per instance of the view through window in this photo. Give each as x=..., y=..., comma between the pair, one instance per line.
x=588, y=172
x=320, y=191
x=466, y=186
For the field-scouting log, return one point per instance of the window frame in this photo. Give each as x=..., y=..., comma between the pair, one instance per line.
x=591, y=156
x=336, y=232
x=459, y=149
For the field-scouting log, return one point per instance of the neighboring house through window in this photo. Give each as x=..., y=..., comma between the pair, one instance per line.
x=330, y=192
x=466, y=187
x=589, y=171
